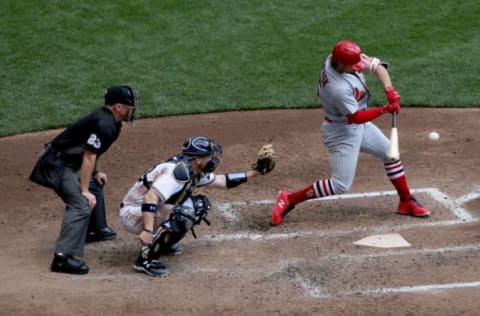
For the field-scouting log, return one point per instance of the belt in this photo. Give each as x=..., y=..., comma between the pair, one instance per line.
x=330, y=121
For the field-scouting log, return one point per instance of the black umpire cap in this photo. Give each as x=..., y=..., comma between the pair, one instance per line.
x=120, y=94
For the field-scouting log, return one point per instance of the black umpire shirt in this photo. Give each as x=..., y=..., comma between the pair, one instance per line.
x=94, y=132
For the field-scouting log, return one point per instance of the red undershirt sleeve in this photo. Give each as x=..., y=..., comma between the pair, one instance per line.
x=361, y=117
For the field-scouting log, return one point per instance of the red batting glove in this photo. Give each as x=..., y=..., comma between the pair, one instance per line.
x=392, y=95
x=393, y=107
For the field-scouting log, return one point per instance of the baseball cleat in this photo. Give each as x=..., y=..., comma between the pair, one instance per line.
x=151, y=268
x=413, y=208
x=281, y=208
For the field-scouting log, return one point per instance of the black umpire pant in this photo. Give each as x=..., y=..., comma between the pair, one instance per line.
x=98, y=219
x=78, y=219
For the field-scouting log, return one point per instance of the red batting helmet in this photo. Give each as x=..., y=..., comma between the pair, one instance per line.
x=348, y=53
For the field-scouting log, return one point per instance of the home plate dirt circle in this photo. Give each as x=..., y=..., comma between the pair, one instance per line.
x=241, y=265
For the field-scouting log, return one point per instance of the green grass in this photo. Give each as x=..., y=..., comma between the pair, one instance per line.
x=57, y=57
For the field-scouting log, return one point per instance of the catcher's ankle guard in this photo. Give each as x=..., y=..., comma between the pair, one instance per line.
x=172, y=231
x=181, y=220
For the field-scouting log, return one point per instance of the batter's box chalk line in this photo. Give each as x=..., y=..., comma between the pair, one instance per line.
x=230, y=212
x=314, y=290
x=321, y=292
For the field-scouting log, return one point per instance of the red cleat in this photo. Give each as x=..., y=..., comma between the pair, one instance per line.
x=413, y=208
x=281, y=208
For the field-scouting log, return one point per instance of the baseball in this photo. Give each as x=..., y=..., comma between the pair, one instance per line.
x=434, y=136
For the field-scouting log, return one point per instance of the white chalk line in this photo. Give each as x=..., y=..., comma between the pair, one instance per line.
x=454, y=206
x=133, y=276
x=309, y=287
x=326, y=233
x=468, y=197
x=276, y=266
x=319, y=292
x=422, y=251
x=415, y=289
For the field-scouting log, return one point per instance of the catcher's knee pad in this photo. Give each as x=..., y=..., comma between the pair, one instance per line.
x=202, y=206
x=180, y=222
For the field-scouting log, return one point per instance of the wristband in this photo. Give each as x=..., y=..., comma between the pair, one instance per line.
x=373, y=65
x=149, y=207
x=235, y=179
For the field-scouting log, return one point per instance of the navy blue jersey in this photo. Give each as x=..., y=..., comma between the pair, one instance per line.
x=94, y=132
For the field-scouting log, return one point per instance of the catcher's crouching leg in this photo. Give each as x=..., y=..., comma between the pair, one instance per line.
x=170, y=233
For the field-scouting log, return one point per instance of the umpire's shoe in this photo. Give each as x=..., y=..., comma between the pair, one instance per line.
x=101, y=235
x=152, y=268
x=68, y=264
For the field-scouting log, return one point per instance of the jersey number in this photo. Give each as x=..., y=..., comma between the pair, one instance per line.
x=94, y=141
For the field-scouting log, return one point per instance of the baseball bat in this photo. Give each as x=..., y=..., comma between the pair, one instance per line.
x=393, y=152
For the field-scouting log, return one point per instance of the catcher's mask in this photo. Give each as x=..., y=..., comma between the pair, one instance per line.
x=124, y=95
x=199, y=146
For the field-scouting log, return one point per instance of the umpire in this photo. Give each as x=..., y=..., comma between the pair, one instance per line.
x=69, y=165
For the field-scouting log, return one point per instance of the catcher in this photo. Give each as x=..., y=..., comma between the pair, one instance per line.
x=160, y=207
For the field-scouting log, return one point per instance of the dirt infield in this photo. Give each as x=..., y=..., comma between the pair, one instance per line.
x=240, y=265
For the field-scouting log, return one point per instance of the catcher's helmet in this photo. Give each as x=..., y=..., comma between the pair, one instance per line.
x=200, y=146
x=348, y=53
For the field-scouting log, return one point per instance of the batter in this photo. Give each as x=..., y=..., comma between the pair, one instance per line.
x=348, y=130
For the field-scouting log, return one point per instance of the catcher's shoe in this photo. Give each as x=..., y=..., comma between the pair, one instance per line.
x=152, y=268
x=413, y=208
x=281, y=208
x=68, y=264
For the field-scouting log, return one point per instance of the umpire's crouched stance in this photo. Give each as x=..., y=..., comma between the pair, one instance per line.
x=69, y=166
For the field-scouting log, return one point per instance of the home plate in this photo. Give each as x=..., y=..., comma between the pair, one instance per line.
x=383, y=241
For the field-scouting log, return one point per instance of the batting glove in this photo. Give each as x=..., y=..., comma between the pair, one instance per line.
x=392, y=95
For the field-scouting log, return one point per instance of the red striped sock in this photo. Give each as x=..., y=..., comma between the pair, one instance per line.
x=320, y=188
x=396, y=174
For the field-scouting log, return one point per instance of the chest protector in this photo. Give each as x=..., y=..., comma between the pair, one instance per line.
x=183, y=172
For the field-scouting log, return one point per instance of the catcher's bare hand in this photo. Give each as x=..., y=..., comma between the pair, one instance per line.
x=266, y=159
x=145, y=238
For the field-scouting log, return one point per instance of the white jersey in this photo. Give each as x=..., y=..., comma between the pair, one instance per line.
x=160, y=178
x=341, y=94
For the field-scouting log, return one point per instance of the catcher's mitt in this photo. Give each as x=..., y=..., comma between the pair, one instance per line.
x=265, y=160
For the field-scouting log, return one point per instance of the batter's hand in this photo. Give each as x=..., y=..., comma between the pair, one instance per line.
x=392, y=95
x=393, y=108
